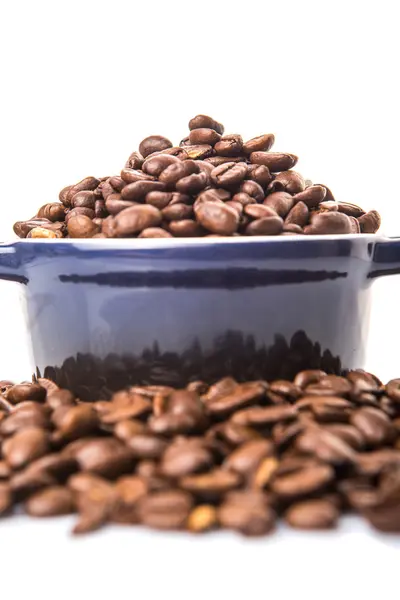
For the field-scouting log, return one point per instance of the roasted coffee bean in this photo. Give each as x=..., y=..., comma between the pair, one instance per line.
x=325, y=445
x=26, y=391
x=84, y=199
x=177, y=171
x=155, y=165
x=198, y=152
x=184, y=457
x=115, y=204
x=312, y=514
x=51, y=502
x=192, y=184
x=229, y=174
x=87, y=184
x=260, y=174
x=28, y=416
x=258, y=211
x=253, y=189
x=303, y=481
x=87, y=212
x=370, y=222
x=202, y=518
x=329, y=223
x=74, y=422
x=154, y=143
x=134, y=175
x=298, y=215
x=6, y=499
x=154, y=232
x=177, y=212
x=305, y=378
x=374, y=425
x=288, y=181
x=351, y=210
x=186, y=228
x=261, y=416
x=137, y=191
x=211, y=485
x=240, y=396
x=106, y=457
x=201, y=121
x=41, y=233
x=133, y=220
x=280, y=202
x=245, y=459
x=216, y=161
x=311, y=196
x=265, y=226
x=217, y=218
x=247, y=513
x=165, y=510
x=275, y=161
x=53, y=212
x=262, y=143
x=81, y=226
x=25, y=446
x=203, y=135
x=135, y=161
x=229, y=145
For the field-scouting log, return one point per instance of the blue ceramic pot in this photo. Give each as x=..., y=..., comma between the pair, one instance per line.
x=105, y=313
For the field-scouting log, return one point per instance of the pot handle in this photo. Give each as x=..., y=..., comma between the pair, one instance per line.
x=10, y=264
x=385, y=258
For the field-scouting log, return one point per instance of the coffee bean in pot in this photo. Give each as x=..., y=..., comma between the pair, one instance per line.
x=207, y=162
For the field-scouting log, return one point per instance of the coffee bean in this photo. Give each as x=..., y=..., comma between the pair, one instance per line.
x=165, y=510
x=80, y=226
x=203, y=135
x=104, y=456
x=262, y=143
x=154, y=232
x=253, y=189
x=229, y=174
x=247, y=514
x=325, y=445
x=84, y=199
x=185, y=457
x=51, y=502
x=25, y=446
x=260, y=174
x=245, y=459
x=258, y=211
x=154, y=143
x=134, y=175
x=312, y=514
x=174, y=172
x=264, y=472
x=303, y=481
x=135, y=161
x=288, y=181
x=212, y=484
x=198, y=151
x=261, y=416
x=217, y=218
x=275, y=161
x=298, y=215
x=26, y=417
x=185, y=228
x=6, y=500
x=133, y=220
x=329, y=223
x=311, y=196
x=351, y=210
x=155, y=165
x=370, y=222
x=74, y=422
x=87, y=212
x=305, y=378
x=192, y=183
x=265, y=226
x=26, y=391
x=201, y=121
x=229, y=145
x=52, y=211
x=202, y=518
x=374, y=425
x=137, y=191
x=280, y=202
x=115, y=204
x=240, y=396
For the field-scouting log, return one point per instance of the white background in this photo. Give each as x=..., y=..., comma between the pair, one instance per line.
x=81, y=84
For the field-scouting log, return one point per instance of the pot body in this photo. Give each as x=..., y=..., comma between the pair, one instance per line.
x=107, y=313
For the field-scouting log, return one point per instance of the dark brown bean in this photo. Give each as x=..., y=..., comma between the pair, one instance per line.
x=329, y=223
x=203, y=135
x=288, y=181
x=154, y=143
x=370, y=222
x=51, y=502
x=174, y=172
x=6, y=499
x=298, y=215
x=198, y=151
x=253, y=189
x=165, y=510
x=26, y=391
x=81, y=226
x=25, y=446
x=155, y=165
x=192, y=184
x=265, y=226
x=280, y=202
x=200, y=121
x=374, y=425
x=262, y=143
x=311, y=196
x=275, y=161
x=138, y=190
x=185, y=228
x=229, y=174
x=53, y=212
x=229, y=145
x=133, y=175
x=133, y=220
x=217, y=218
x=260, y=174
x=154, y=232
x=312, y=514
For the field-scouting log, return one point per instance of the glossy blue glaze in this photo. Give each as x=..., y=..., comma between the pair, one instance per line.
x=109, y=312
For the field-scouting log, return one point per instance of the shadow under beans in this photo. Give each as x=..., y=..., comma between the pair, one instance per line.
x=232, y=354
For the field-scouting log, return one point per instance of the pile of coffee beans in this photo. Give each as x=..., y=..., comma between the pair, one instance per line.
x=211, y=185
x=229, y=455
